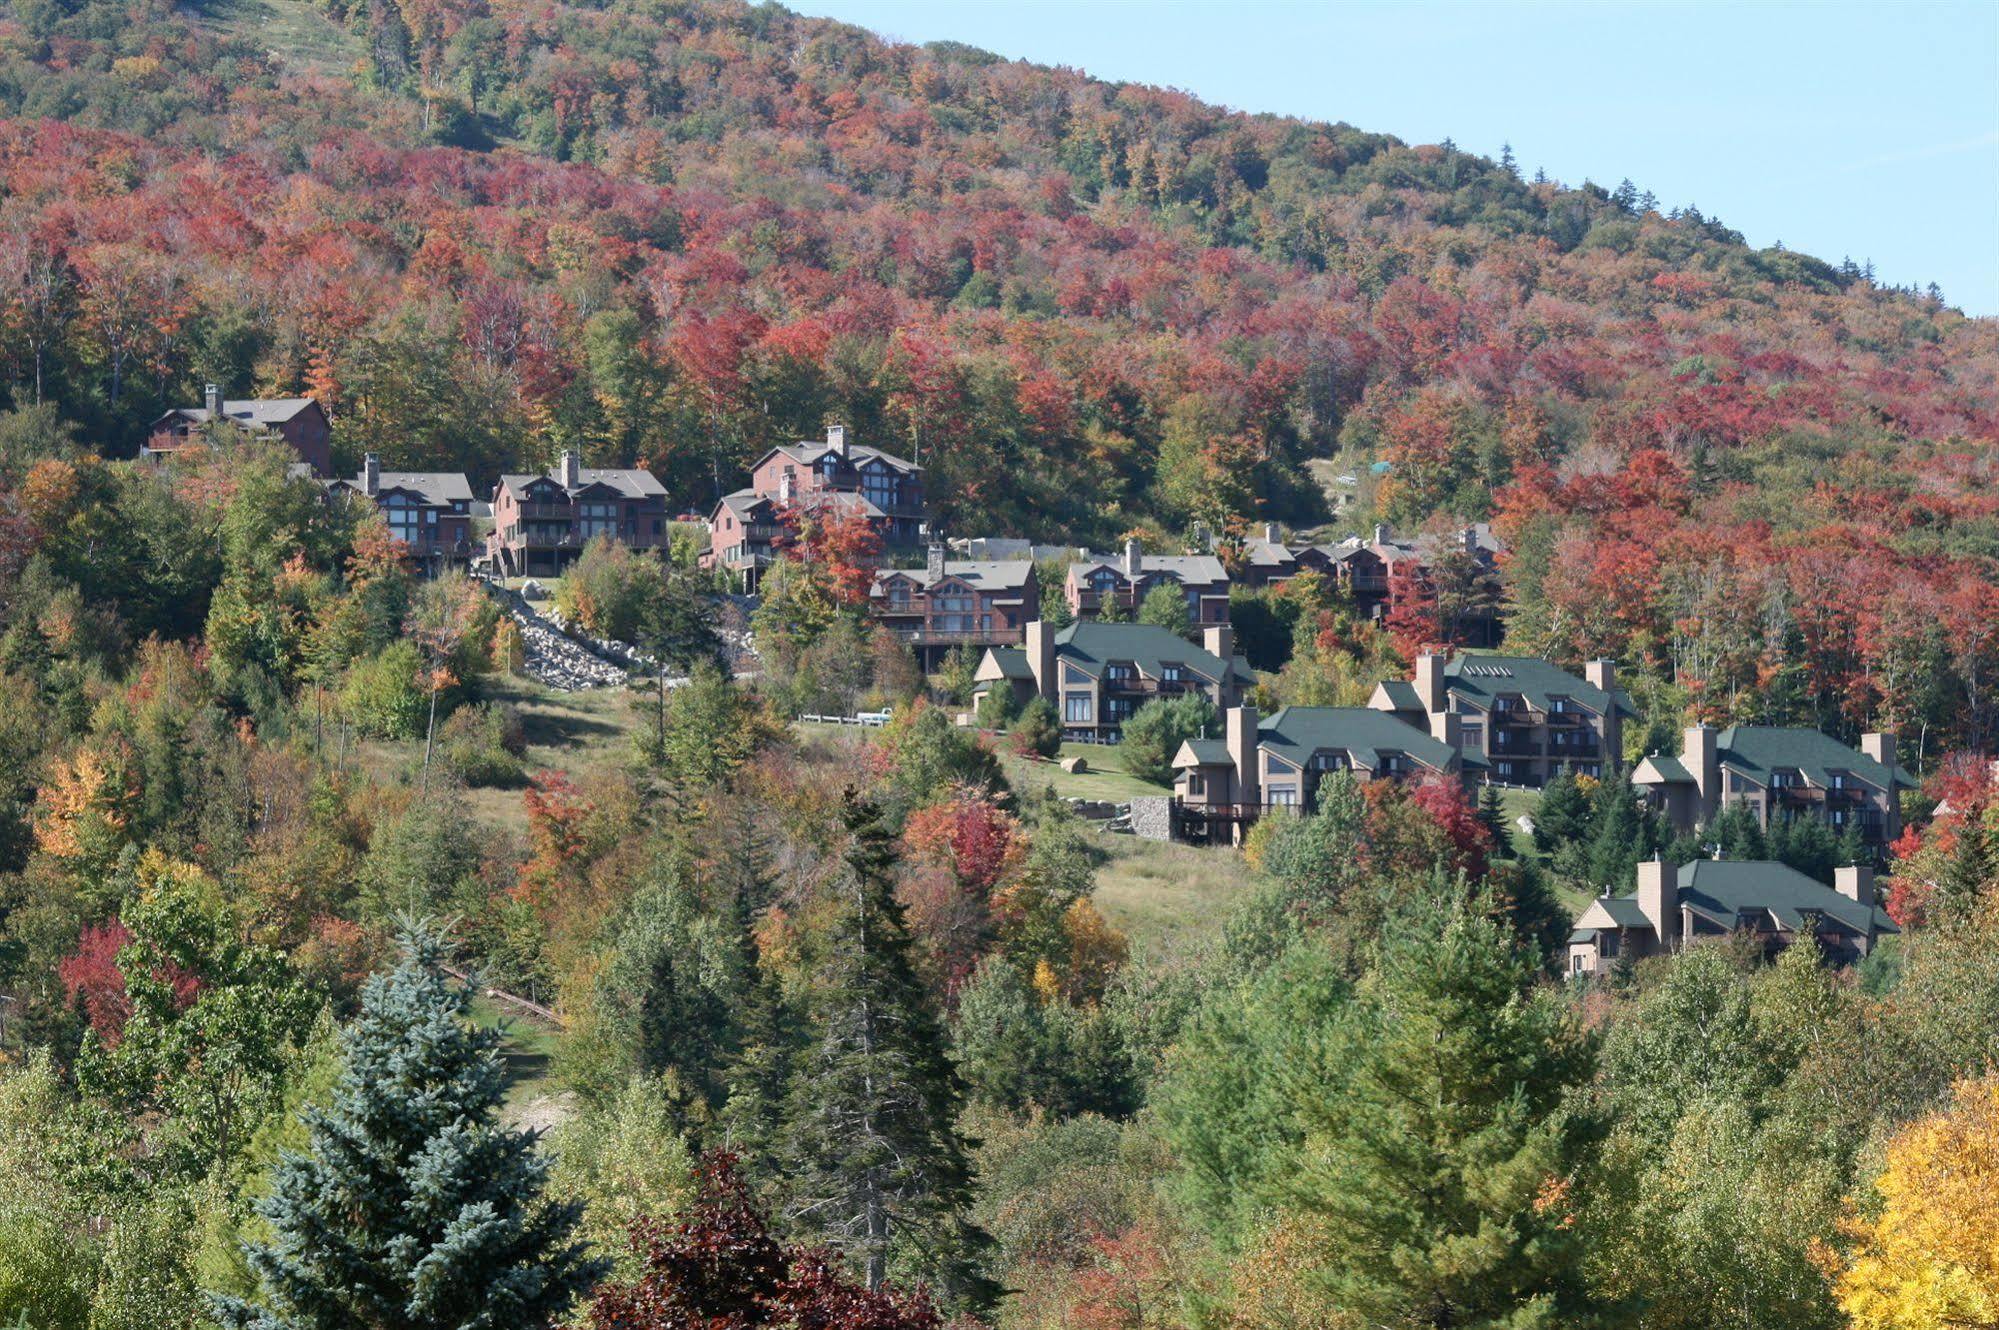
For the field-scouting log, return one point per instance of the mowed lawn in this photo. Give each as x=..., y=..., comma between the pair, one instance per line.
x=1106, y=778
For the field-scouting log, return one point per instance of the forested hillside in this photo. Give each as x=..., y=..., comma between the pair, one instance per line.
x=316, y=908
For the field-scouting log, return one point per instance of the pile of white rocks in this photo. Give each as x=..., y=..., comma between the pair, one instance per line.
x=553, y=657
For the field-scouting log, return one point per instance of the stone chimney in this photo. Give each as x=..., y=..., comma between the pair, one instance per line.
x=1659, y=898
x=1204, y=539
x=1470, y=536
x=787, y=486
x=934, y=565
x=836, y=439
x=1218, y=639
x=1270, y=533
x=1240, y=735
x=572, y=470
x=1855, y=882
x=212, y=398
x=1134, y=558
x=371, y=474
x=1382, y=532
x=1040, y=649
x=1430, y=682
x=1700, y=754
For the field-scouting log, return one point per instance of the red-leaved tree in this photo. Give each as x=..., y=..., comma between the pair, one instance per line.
x=720, y=1269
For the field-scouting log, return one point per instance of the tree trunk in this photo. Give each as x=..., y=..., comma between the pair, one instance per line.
x=429, y=742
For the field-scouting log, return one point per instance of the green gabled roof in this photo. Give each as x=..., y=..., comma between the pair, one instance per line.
x=1481, y=678
x=1670, y=771
x=1734, y=887
x=1295, y=733
x=1010, y=661
x=1757, y=750
x=1202, y=753
x=1402, y=695
x=1089, y=646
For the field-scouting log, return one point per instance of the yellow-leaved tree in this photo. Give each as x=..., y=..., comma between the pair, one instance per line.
x=1930, y=1258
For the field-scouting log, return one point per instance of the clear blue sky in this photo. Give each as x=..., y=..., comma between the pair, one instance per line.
x=1869, y=130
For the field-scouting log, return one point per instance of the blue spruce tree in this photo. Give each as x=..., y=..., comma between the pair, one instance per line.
x=412, y=1208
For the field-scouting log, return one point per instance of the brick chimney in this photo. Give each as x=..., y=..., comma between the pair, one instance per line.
x=1134, y=558
x=1218, y=639
x=371, y=474
x=1659, y=898
x=836, y=439
x=1430, y=682
x=1855, y=882
x=1040, y=649
x=1700, y=754
x=572, y=470
x=1240, y=736
x=212, y=398
x=934, y=565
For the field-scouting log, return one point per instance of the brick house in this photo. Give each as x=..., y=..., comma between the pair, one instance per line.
x=1370, y=571
x=949, y=603
x=1095, y=582
x=1279, y=761
x=429, y=511
x=1775, y=773
x=541, y=523
x=1676, y=906
x=1097, y=674
x=750, y=526
x=1523, y=717
x=299, y=421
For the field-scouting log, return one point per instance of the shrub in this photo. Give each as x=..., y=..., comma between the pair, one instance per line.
x=482, y=746
x=382, y=697
x=996, y=708
x=1037, y=729
x=1155, y=732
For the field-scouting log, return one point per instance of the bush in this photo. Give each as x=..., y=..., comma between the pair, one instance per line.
x=382, y=698
x=1154, y=734
x=1037, y=730
x=996, y=708
x=482, y=746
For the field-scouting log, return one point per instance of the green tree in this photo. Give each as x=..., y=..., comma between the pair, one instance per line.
x=1436, y=1159
x=412, y=1208
x=213, y=1020
x=1038, y=729
x=1165, y=606
x=1564, y=816
x=877, y=1164
x=1156, y=730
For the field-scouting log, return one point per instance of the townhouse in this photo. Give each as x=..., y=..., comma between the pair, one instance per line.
x=1775, y=773
x=952, y=603
x=1097, y=674
x=299, y=421
x=1772, y=904
x=1523, y=717
x=1096, y=583
x=542, y=522
x=751, y=527
x=1280, y=761
x=429, y=511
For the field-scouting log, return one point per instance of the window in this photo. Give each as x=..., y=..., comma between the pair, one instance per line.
x=599, y=519
x=1473, y=736
x=1502, y=705
x=879, y=489
x=1392, y=764
x=405, y=522
x=1121, y=672
x=898, y=595
x=1197, y=785
x=1103, y=582
x=1283, y=796
x=1172, y=671
x=1558, y=706
x=1076, y=708
x=1330, y=759
x=1837, y=780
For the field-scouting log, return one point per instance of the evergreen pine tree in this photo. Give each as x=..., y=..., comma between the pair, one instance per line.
x=1564, y=816
x=1625, y=833
x=1740, y=835
x=1437, y=1157
x=1507, y=162
x=1494, y=818
x=878, y=1166
x=411, y=1208
x=1967, y=872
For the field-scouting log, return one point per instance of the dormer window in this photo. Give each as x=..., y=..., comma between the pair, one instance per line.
x=1558, y=706
x=1104, y=580
x=1329, y=759
x=1121, y=672
x=1839, y=780
x=1784, y=780
x=1172, y=671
